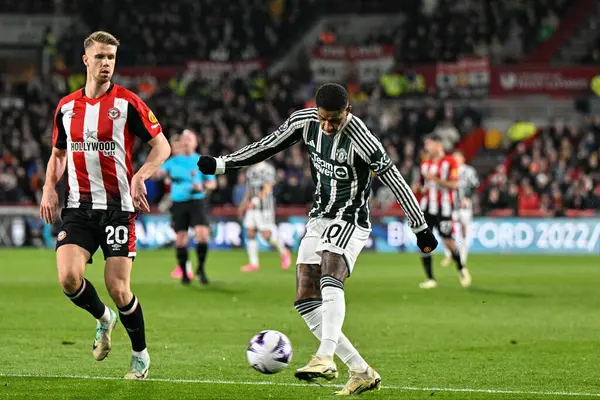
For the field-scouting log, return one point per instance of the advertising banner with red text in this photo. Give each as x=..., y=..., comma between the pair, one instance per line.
x=541, y=80
x=467, y=77
x=214, y=70
x=364, y=64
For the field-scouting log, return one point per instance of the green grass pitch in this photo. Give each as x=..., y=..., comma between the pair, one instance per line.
x=529, y=328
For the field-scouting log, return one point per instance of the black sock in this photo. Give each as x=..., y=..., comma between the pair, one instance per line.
x=457, y=259
x=201, y=249
x=182, y=257
x=426, y=258
x=87, y=298
x=132, y=319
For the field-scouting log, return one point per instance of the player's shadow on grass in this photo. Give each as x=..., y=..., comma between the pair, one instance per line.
x=522, y=295
x=218, y=287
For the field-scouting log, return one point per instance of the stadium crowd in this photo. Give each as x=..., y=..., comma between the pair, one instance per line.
x=444, y=30
x=226, y=114
x=556, y=171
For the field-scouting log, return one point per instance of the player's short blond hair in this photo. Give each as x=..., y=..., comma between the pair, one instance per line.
x=101, y=37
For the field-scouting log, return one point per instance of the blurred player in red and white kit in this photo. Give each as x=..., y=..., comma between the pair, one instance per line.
x=94, y=132
x=439, y=180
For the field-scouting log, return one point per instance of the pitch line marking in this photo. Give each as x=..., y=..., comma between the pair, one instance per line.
x=267, y=383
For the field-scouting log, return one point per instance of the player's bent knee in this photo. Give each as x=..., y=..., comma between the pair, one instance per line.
x=450, y=243
x=181, y=239
x=201, y=234
x=334, y=265
x=266, y=235
x=70, y=280
x=251, y=233
x=120, y=293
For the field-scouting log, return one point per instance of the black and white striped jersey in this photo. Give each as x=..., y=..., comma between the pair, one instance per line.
x=257, y=176
x=342, y=167
x=468, y=182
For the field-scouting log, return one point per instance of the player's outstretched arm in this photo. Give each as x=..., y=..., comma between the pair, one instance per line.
x=285, y=136
x=161, y=150
x=371, y=150
x=54, y=171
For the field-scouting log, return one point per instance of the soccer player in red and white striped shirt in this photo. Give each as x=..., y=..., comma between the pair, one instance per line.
x=438, y=183
x=94, y=132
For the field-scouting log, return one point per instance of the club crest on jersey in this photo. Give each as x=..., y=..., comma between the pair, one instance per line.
x=341, y=155
x=284, y=127
x=114, y=113
x=61, y=235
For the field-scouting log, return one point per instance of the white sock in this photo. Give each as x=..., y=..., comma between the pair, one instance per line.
x=141, y=354
x=106, y=316
x=252, y=247
x=447, y=252
x=344, y=350
x=276, y=244
x=464, y=251
x=334, y=311
x=461, y=244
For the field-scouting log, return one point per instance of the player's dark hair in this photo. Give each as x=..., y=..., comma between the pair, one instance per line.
x=433, y=136
x=332, y=97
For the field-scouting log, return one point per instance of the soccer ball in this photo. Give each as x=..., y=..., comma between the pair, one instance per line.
x=269, y=352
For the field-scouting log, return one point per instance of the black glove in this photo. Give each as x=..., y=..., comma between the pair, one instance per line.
x=426, y=241
x=207, y=165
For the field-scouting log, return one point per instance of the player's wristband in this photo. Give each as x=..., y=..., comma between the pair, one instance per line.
x=255, y=201
x=220, y=168
x=419, y=228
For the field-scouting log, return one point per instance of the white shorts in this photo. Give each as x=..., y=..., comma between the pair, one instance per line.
x=262, y=220
x=336, y=236
x=464, y=216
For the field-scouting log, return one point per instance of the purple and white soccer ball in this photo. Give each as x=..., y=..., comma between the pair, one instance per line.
x=269, y=352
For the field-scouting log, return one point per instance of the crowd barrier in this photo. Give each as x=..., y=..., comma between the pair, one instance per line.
x=20, y=226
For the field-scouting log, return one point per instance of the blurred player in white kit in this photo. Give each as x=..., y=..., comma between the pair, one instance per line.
x=468, y=182
x=258, y=210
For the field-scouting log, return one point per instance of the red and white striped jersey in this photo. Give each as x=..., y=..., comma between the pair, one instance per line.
x=98, y=135
x=436, y=199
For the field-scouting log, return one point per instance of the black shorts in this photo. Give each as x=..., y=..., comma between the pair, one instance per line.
x=111, y=230
x=441, y=223
x=189, y=213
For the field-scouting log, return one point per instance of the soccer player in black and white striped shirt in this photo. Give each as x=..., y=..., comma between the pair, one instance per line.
x=468, y=182
x=343, y=155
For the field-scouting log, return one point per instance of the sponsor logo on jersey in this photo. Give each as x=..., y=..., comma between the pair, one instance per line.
x=323, y=167
x=311, y=143
x=107, y=148
x=152, y=117
x=381, y=164
x=114, y=113
x=340, y=172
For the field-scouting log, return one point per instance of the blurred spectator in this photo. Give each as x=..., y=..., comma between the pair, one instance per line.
x=494, y=200
x=528, y=199
x=222, y=195
x=239, y=189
